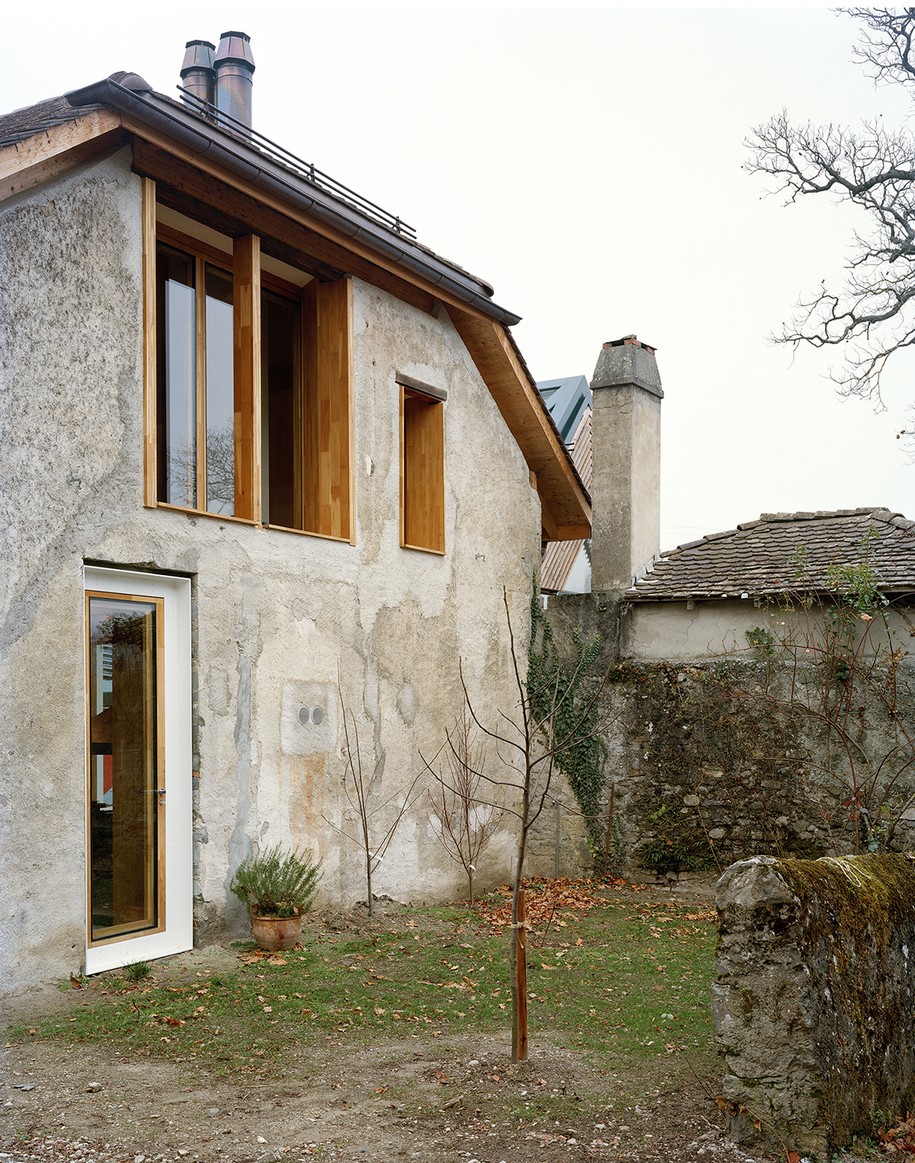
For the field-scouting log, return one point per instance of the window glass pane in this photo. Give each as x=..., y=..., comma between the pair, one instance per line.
x=123, y=765
x=220, y=393
x=280, y=327
x=177, y=387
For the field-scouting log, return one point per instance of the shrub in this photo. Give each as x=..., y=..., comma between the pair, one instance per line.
x=277, y=884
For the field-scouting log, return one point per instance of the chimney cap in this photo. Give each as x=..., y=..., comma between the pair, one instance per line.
x=624, y=362
x=631, y=341
x=235, y=46
x=198, y=55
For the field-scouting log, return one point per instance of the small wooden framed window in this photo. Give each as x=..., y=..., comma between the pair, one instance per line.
x=422, y=466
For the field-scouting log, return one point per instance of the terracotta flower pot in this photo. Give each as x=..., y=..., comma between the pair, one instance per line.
x=272, y=933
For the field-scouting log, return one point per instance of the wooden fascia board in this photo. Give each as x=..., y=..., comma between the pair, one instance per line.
x=348, y=244
x=49, y=152
x=565, y=505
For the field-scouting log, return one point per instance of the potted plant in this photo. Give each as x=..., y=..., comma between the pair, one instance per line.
x=277, y=888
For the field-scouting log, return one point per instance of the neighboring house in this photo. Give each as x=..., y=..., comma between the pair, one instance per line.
x=566, y=565
x=702, y=598
x=613, y=430
x=264, y=455
x=745, y=714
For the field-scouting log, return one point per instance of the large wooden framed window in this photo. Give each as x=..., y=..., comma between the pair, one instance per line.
x=195, y=402
x=249, y=411
x=422, y=466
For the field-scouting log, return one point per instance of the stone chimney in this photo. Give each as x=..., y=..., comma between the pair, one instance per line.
x=626, y=489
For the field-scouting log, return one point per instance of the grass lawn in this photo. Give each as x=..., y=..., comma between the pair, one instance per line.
x=618, y=975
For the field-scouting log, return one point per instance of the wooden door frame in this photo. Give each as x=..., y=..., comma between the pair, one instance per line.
x=174, y=930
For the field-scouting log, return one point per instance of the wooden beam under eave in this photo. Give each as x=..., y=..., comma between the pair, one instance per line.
x=251, y=210
x=26, y=164
x=344, y=243
x=564, y=501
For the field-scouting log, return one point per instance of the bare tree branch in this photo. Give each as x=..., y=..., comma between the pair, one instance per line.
x=872, y=168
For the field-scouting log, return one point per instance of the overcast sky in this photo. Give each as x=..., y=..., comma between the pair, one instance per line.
x=588, y=164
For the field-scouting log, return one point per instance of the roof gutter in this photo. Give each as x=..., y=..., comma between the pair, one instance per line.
x=131, y=95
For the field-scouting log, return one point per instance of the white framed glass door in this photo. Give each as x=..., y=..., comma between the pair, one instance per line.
x=138, y=767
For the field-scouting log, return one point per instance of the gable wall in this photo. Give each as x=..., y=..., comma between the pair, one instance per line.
x=281, y=620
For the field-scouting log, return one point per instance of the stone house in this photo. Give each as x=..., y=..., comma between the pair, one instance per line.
x=777, y=690
x=265, y=455
x=703, y=598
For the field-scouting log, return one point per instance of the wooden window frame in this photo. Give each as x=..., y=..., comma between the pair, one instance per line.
x=325, y=433
x=422, y=466
x=155, y=887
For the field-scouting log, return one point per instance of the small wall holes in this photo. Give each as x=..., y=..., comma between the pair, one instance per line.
x=311, y=715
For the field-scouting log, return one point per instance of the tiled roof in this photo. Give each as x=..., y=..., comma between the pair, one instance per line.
x=24, y=123
x=784, y=551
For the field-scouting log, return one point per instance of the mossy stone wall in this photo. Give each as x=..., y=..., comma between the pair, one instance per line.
x=814, y=996
x=726, y=757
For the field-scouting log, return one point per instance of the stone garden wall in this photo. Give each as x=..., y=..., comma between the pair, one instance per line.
x=814, y=997
x=710, y=761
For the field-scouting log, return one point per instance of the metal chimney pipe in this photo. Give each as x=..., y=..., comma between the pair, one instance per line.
x=198, y=76
x=235, y=76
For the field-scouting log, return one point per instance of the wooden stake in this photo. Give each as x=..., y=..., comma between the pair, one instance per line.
x=519, y=1030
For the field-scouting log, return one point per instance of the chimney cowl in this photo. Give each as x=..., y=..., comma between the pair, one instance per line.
x=235, y=46
x=627, y=361
x=234, y=63
x=198, y=77
x=198, y=54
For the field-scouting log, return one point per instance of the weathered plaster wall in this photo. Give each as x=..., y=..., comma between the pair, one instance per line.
x=281, y=620
x=687, y=631
x=813, y=999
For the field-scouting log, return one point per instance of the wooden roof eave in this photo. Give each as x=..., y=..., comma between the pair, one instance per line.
x=27, y=163
x=565, y=504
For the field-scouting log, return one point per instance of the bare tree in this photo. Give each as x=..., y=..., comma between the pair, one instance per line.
x=466, y=824
x=873, y=168
x=373, y=839
x=553, y=713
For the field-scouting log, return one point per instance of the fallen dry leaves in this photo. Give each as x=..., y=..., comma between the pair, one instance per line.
x=899, y=1140
x=549, y=900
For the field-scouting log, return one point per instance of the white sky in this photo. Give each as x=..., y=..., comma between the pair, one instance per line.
x=587, y=163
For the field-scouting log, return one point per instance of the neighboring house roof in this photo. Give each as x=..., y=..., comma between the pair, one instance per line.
x=569, y=402
x=567, y=399
x=784, y=551
x=198, y=160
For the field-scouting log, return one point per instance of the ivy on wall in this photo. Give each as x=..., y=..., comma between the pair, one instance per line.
x=562, y=689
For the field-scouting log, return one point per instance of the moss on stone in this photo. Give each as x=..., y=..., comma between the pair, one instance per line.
x=848, y=923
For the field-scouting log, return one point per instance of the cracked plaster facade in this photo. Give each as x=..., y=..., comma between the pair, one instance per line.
x=280, y=620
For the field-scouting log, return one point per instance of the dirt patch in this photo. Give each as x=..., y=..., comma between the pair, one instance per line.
x=396, y=1101
x=457, y=1097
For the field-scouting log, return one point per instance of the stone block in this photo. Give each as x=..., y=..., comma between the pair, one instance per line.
x=813, y=998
